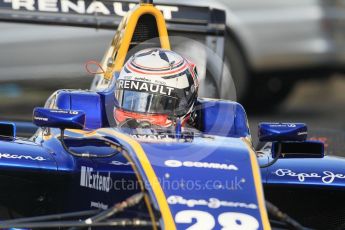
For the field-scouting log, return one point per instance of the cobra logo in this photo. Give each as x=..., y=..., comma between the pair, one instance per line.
x=197, y=164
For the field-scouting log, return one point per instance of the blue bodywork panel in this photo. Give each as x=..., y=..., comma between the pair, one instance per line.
x=227, y=186
x=89, y=102
x=58, y=118
x=282, y=132
x=223, y=118
x=211, y=172
x=325, y=172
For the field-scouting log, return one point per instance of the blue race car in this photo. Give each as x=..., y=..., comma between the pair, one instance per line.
x=82, y=170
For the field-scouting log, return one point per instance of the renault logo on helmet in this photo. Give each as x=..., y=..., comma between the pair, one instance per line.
x=145, y=87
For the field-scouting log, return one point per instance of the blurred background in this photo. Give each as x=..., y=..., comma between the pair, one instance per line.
x=287, y=59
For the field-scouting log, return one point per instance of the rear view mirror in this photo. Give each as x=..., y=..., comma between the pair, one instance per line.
x=7, y=129
x=56, y=118
x=271, y=132
x=305, y=149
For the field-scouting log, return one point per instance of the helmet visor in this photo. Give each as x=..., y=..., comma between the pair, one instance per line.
x=144, y=102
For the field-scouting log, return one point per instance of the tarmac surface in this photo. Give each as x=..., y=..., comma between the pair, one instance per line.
x=318, y=103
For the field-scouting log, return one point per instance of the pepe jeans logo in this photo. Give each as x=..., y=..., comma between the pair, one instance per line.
x=145, y=87
x=327, y=177
x=195, y=164
x=94, y=180
x=20, y=157
x=211, y=203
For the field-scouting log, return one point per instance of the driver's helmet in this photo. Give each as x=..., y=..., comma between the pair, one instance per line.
x=156, y=86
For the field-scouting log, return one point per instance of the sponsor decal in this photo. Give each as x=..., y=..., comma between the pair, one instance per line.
x=95, y=180
x=83, y=7
x=140, y=79
x=152, y=137
x=65, y=111
x=160, y=82
x=197, y=219
x=119, y=163
x=160, y=137
x=302, y=133
x=196, y=164
x=211, y=203
x=20, y=157
x=41, y=118
x=290, y=125
x=99, y=205
x=72, y=112
x=327, y=177
x=144, y=87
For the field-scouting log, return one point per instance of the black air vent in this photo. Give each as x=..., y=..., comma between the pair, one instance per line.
x=315, y=208
x=145, y=30
x=7, y=130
